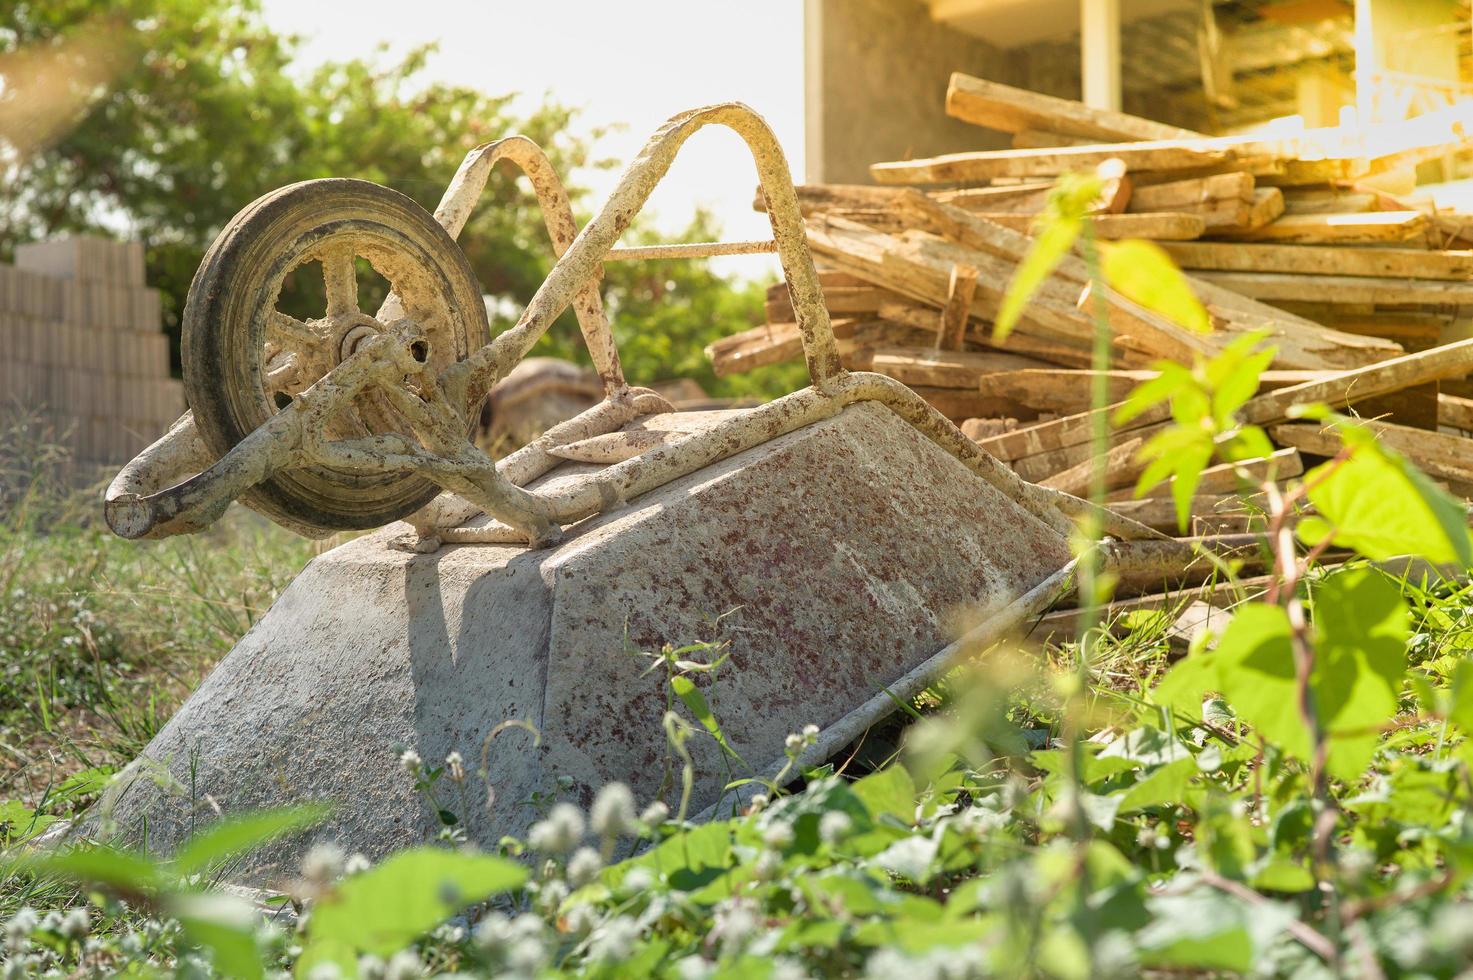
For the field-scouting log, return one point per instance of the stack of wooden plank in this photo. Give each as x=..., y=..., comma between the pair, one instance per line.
x=1299, y=235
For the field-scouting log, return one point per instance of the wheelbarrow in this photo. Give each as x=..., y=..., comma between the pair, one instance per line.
x=834, y=542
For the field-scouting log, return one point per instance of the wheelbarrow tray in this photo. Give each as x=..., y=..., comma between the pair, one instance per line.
x=837, y=562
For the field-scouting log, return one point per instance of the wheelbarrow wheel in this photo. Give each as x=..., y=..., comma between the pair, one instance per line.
x=245, y=360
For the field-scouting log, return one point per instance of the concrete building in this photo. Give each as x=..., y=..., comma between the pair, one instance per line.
x=876, y=70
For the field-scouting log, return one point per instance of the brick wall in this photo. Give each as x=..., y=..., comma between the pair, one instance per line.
x=82, y=346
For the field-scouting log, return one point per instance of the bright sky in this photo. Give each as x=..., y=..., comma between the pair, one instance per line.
x=635, y=62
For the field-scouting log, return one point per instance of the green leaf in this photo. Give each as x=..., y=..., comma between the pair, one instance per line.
x=888, y=792
x=1166, y=786
x=695, y=702
x=235, y=835
x=1382, y=506
x=386, y=907
x=1056, y=234
x=225, y=926
x=95, y=864
x=1143, y=273
x=1255, y=672
x=1148, y=394
x=1361, y=626
x=1207, y=930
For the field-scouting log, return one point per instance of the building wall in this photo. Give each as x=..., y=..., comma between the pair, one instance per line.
x=875, y=78
x=82, y=350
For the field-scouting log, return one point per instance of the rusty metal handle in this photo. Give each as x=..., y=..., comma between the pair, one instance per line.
x=460, y=200
x=581, y=261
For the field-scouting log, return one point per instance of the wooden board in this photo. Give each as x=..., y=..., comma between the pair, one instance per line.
x=1338, y=389
x=974, y=167
x=1067, y=392
x=1409, y=263
x=1013, y=110
x=950, y=369
x=1373, y=227
x=1161, y=227
x=1176, y=194
x=1447, y=457
x=1342, y=290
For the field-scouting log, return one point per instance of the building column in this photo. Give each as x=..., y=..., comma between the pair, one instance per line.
x=1399, y=44
x=1099, y=48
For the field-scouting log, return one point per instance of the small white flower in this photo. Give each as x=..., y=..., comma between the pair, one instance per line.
x=19, y=928
x=493, y=932
x=732, y=924
x=834, y=826
x=551, y=895
x=759, y=801
x=526, y=955
x=411, y=761
x=584, y=866
x=357, y=863
x=810, y=732
x=581, y=919
x=455, y=766
x=76, y=924
x=612, y=813
x=638, y=880
x=614, y=940
x=793, y=742
x=777, y=836
x=404, y=965
x=371, y=967
x=325, y=971
x=767, y=865
x=560, y=832
x=655, y=814
x=323, y=863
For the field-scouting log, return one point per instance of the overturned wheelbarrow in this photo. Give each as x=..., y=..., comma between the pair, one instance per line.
x=833, y=539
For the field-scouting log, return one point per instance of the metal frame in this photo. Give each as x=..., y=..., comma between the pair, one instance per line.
x=175, y=486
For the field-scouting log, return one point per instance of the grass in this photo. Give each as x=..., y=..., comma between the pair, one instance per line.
x=945, y=844
x=100, y=638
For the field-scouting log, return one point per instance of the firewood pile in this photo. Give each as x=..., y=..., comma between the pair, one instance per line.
x=1303, y=236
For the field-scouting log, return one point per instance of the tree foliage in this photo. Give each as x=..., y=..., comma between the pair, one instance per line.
x=165, y=117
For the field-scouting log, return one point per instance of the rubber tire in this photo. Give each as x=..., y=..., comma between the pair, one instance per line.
x=224, y=319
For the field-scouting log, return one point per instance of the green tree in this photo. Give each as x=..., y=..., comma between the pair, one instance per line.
x=160, y=119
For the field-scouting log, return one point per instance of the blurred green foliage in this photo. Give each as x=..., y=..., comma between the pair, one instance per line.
x=191, y=109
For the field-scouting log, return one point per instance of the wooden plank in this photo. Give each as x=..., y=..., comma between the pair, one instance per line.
x=1235, y=217
x=1226, y=478
x=1302, y=343
x=973, y=167
x=814, y=198
x=1409, y=263
x=1338, y=389
x=965, y=403
x=838, y=299
x=1069, y=391
x=1031, y=139
x=1455, y=411
x=1210, y=513
x=1032, y=197
x=1439, y=454
x=1355, y=228
x=1342, y=290
x=1176, y=194
x=1012, y=110
x=960, y=289
x=922, y=318
x=1178, y=226
x=950, y=369
x=1335, y=202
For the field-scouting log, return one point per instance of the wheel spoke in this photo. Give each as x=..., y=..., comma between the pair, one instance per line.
x=341, y=279
x=289, y=333
x=283, y=375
